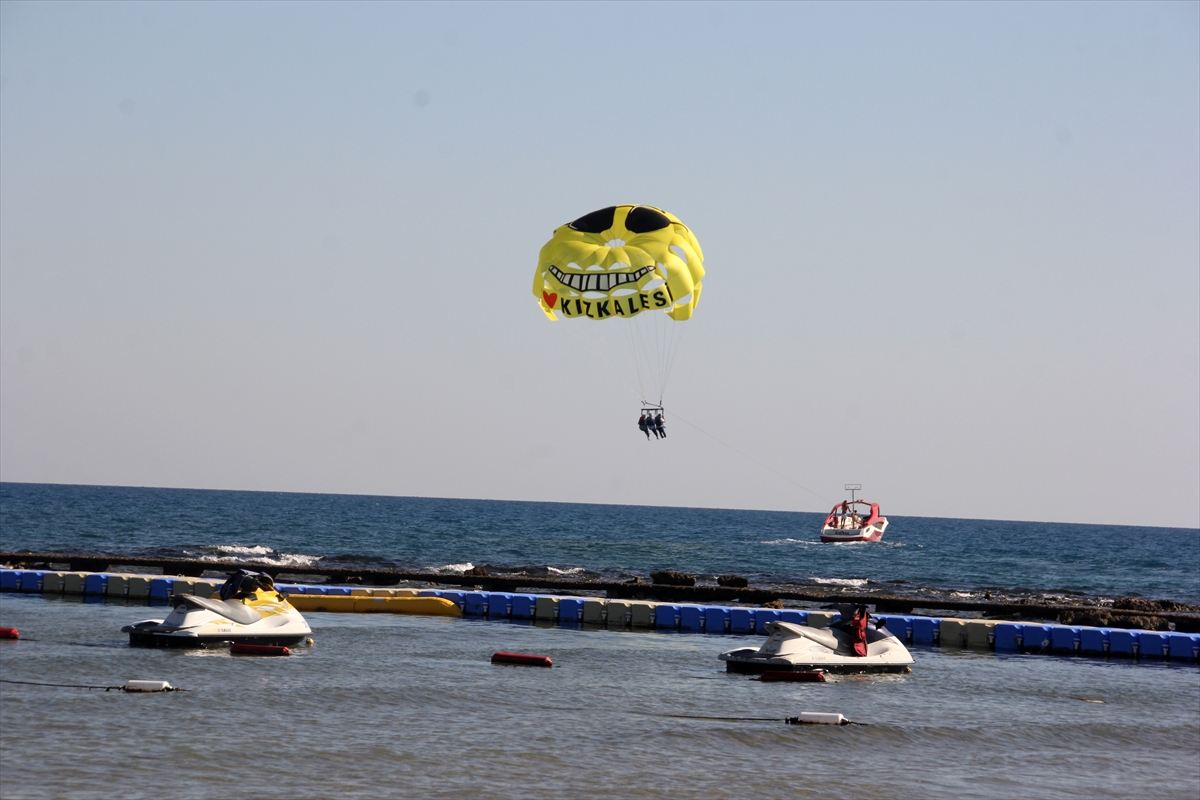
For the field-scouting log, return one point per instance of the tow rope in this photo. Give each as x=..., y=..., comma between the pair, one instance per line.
x=131, y=686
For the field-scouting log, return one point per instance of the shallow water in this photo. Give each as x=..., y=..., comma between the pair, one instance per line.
x=410, y=706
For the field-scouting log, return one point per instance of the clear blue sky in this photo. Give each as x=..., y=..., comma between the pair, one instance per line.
x=953, y=250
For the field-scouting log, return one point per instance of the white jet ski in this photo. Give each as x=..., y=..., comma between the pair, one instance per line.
x=248, y=610
x=799, y=648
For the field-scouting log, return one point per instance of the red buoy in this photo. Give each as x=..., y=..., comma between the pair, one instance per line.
x=259, y=650
x=522, y=658
x=9, y=633
x=785, y=675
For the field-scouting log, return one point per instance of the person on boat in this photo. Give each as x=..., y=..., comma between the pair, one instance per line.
x=659, y=430
x=644, y=425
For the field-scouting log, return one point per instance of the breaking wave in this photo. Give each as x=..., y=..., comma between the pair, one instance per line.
x=855, y=582
x=452, y=569
x=226, y=553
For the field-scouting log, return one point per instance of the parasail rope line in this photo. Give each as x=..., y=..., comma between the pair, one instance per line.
x=664, y=339
x=648, y=333
x=675, y=346
x=675, y=415
x=788, y=720
x=660, y=334
x=659, y=343
x=637, y=336
x=591, y=342
x=636, y=362
x=649, y=338
x=671, y=333
x=728, y=719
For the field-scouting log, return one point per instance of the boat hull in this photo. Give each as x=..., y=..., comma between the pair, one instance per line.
x=150, y=638
x=839, y=668
x=869, y=533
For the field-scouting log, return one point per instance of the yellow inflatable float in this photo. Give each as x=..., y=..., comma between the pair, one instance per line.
x=359, y=604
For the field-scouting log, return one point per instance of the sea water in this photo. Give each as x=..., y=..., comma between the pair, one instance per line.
x=968, y=558
x=405, y=706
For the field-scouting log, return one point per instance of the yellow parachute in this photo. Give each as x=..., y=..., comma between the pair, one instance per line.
x=618, y=262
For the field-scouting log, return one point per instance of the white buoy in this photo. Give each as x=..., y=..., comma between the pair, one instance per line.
x=148, y=686
x=818, y=718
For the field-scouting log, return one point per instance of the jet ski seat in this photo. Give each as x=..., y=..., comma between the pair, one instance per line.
x=823, y=637
x=244, y=583
x=230, y=610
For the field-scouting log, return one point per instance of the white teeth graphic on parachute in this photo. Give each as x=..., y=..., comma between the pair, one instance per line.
x=600, y=282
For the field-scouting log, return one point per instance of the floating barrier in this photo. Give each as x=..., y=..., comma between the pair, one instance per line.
x=499, y=604
x=716, y=619
x=30, y=580
x=259, y=650
x=570, y=609
x=148, y=686
x=946, y=632
x=779, y=675
x=523, y=659
x=594, y=612
x=545, y=608
x=741, y=620
x=9, y=633
x=691, y=619
x=666, y=616
x=618, y=613
x=818, y=718
x=523, y=606
x=641, y=613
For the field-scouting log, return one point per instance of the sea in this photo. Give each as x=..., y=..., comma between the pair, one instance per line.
x=408, y=706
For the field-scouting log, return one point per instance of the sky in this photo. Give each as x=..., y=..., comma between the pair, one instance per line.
x=952, y=251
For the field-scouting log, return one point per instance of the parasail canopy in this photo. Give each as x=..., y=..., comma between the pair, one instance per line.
x=615, y=264
x=618, y=262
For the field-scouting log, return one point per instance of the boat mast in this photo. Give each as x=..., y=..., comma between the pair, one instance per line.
x=852, y=488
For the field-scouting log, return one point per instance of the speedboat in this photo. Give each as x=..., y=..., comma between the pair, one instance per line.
x=248, y=609
x=854, y=520
x=854, y=646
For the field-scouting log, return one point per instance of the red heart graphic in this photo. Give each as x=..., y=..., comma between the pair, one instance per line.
x=550, y=297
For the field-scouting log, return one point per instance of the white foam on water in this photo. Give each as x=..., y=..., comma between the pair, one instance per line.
x=261, y=554
x=790, y=541
x=290, y=560
x=571, y=571
x=257, y=550
x=841, y=581
x=452, y=569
